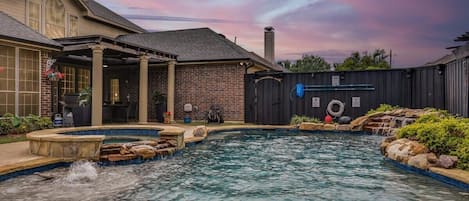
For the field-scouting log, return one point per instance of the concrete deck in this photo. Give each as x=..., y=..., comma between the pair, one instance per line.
x=16, y=157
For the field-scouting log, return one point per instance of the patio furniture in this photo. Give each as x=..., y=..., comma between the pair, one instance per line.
x=115, y=112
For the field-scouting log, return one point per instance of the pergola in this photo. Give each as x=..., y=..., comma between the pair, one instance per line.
x=99, y=49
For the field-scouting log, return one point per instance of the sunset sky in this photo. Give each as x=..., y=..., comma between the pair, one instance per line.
x=417, y=31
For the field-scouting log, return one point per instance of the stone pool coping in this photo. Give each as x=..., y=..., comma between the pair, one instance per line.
x=57, y=134
x=455, y=177
x=194, y=140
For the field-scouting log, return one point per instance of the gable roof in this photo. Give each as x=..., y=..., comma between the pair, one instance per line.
x=202, y=44
x=101, y=13
x=12, y=29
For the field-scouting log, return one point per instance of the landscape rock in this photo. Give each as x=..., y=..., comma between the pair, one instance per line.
x=447, y=162
x=173, y=143
x=124, y=150
x=344, y=127
x=422, y=161
x=146, y=142
x=200, y=131
x=119, y=157
x=144, y=151
x=329, y=127
x=402, y=149
x=358, y=123
x=345, y=120
x=311, y=126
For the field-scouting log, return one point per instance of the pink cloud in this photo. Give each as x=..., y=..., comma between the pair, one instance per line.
x=417, y=31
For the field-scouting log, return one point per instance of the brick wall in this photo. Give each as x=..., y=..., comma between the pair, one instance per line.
x=157, y=80
x=46, y=96
x=203, y=86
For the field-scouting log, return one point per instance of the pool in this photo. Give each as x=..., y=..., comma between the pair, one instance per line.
x=248, y=165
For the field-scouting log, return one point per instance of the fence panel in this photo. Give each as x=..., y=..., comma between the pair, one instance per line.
x=457, y=87
x=270, y=97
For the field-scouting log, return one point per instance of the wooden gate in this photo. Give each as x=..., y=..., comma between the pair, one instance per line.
x=267, y=100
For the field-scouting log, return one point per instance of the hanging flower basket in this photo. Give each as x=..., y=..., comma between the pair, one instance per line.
x=53, y=75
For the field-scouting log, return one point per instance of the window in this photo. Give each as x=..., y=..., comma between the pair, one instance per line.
x=28, y=82
x=34, y=15
x=68, y=86
x=115, y=97
x=7, y=79
x=72, y=25
x=55, y=19
x=83, y=78
x=19, y=81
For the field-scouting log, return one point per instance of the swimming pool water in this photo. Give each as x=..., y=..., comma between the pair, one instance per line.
x=250, y=165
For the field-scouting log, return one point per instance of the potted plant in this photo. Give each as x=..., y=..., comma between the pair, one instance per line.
x=82, y=115
x=159, y=100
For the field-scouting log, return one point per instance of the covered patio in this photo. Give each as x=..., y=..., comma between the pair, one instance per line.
x=118, y=72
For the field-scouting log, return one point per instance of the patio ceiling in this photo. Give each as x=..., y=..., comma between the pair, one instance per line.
x=113, y=49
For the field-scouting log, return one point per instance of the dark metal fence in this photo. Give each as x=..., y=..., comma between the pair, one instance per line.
x=270, y=97
x=457, y=87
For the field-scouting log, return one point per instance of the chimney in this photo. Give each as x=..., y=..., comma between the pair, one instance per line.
x=269, y=44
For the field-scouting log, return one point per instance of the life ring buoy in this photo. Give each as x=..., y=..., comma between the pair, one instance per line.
x=335, y=113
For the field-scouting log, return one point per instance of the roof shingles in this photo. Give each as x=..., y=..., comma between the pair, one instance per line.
x=14, y=30
x=202, y=44
x=105, y=13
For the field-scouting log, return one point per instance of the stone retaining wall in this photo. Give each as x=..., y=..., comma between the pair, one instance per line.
x=55, y=143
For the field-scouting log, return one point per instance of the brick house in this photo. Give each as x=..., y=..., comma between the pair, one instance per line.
x=122, y=63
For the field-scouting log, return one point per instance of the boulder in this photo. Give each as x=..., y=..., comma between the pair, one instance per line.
x=344, y=127
x=422, y=161
x=119, y=157
x=146, y=142
x=200, y=131
x=172, y=143
x=447, y=162
x=383, y=146
x=144, y=151
x=124, y=150
x=311, y=126
x=413, y=113
x=329, y=127
x=402, y=149
x=358, y=123
x=385, y=143
x=345, y=120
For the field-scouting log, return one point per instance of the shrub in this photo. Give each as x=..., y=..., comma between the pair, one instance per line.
x=463, y=154
x=300, y=119
x=10, y=124
x=442, y=134
x=382, y=108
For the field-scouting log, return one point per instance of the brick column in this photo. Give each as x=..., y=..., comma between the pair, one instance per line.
x=97, y=86
x=46, y=88
x=171, y=87
x=143, y=90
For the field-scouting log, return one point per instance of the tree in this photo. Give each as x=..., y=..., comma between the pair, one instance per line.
x=377, y=60
x=308, y=63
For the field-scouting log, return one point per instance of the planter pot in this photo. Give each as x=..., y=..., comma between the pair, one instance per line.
x=82, y=116
x=160, y=109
